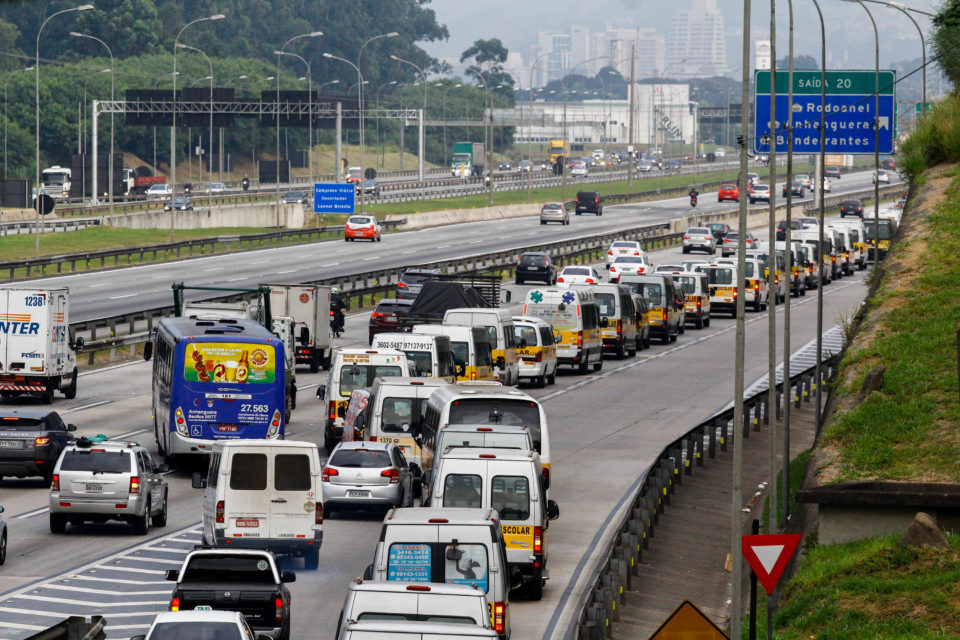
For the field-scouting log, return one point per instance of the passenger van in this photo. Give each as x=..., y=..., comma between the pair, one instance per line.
x=393, y=410
x=756, y=287
x=722, y=280
x=481, y=403
x=414, y=602
x=472, y=349
x=779, y=294
x=264, y=495
x=402, y=630
x=352, y=369
x=854, y=240
x=618, y=318
x=575, y=319
x=811, y=236
x=796, y=278
x=480, y=436
x=665, y=314
x=452, y=546
x=510, y=482
x=536, y=350
x=431, y=355
x=643, y=320
x=697, y=291
x=499, y=326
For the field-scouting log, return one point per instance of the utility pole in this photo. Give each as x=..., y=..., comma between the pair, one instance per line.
x=630, y=145
x=771, y=308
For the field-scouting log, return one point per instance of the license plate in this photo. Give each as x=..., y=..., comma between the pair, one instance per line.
x=203, y=607
x=358, y=494
x=249, y=523
x=230, y=428
x=10, y=444
x=94, y=487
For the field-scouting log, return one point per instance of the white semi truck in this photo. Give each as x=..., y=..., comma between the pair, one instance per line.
x=309, y=306
x=37, y=356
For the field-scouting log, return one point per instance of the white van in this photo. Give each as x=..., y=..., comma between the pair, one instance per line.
x=855, y=239
x=575, y=319
x=431, y=355
x=264, y=494
x=481, y=436
x=510, y=482
x=403, y=630
x=536, y=350
x=476, y=403
x=472, y=349
x=452, y=546
x=414, y=602
x=618, y=317
x=352, y=369
x=499, y=326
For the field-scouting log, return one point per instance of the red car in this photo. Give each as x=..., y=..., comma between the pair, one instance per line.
x=728, y=192
x=361, y=228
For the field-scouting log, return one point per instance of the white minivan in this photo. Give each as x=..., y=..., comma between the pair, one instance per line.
x=403, y=630
x=432, y=355
x=503, y=339
x=264, y=494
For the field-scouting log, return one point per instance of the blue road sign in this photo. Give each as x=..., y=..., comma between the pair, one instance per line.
x=333, y=198
x=849, y=123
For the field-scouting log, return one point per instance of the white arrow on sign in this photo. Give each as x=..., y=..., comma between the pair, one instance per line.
x=884, y=122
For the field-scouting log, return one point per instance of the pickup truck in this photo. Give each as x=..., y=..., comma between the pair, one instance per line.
x=244, y=580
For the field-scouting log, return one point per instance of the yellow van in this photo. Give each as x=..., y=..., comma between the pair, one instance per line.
x=666, y=312
x=499, y=326
x=472, y=351
x=536, y=349
x=618, y=318
x=575, y=319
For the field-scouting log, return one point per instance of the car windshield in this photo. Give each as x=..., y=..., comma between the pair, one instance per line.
x=748, y=270
x=761, y=187
x=196, y=631
x=96, y=461
x=553, y=207
x=652, y=292
x=355, y=376
x=728, y=187
x=21, y=424
x=510, y=496
x=393, y=307
x=624, y=245
x=885, y=229
x=227, y=567
x=397, y=414
x=688, y=284
x=359, y=220
x=414, y=278
x=295, y=195
x=483, y=439
x=360, y=458
x=519, y=413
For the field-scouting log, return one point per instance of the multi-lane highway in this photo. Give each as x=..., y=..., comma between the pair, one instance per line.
x=605, y=428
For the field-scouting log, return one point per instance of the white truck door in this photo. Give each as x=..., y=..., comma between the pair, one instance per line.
x=293, y=494
x=26, y=327
x=60, y=330
x=4, y=332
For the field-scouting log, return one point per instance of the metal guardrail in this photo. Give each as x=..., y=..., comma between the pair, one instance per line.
x=74, y=628
x=70, y=224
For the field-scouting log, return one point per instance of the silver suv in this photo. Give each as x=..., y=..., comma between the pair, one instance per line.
x=110, y=480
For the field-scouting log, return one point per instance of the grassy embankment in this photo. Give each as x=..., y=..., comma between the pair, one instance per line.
x=905, y=431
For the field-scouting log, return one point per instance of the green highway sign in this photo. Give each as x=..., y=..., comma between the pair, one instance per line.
x=840, y=82
x=921, y=109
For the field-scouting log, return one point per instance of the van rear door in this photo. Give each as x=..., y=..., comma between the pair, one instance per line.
x=246, y=507
x=292, y=494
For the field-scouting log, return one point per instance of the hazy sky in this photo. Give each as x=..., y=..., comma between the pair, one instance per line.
x=849, y=35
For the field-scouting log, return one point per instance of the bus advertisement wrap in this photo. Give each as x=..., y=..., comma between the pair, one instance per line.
x=230, y=362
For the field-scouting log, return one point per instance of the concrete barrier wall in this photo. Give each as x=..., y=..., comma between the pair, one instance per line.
x=455, y=216
x=22, y=215
x=291, y=216
x=756, y=219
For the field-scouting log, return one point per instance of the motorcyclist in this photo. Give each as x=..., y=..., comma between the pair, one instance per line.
x=337, y=306
x=693, y=196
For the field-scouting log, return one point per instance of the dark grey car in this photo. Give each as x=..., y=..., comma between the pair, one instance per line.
x=412, y=281
x=31, y=441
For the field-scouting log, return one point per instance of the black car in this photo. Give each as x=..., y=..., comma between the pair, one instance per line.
x=831, y=171
x=386, y=317
x=31, y=441
x=851, y=207
x=534, y=265
x=589, y=202
x=180, y=203
x=294, y=197
x=718, y=229
x=795, y=225
x=412, y=281
x=797, y=188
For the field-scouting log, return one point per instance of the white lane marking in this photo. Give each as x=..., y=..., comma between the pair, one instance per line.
x=111, y=367
x=30, y=596
x=476, y=242
x=35, y=512
x=108, y=592
x=214, y=269
x=235, y=279
x=371, y=258
x=89, y=406
x=406, y=253
x=308, y=386
x=130, y=569
x=444, y=246
x=157, y=560
x=25, y=627
x=98, y=579
x=130, y=434
x=126, y=295
x=31, y=612
x=333, y=264
x=102, y=284
x=260, y=262
x=286, y=271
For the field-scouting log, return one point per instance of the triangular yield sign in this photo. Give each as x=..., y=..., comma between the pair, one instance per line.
x=768, y=555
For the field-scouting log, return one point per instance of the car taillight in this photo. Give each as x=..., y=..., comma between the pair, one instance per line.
x=333, y=410
x=318, y=513
x=393, y=474
x=175, y=604
x=278, y=614
x=686, y=237
x=55, y=482
x=376, y=316
x=559, y=278
x=636, y=253
x=538, y=539
x=612, y=268
x=579, y=339
x=610, y=253
x=498, y=621
x=134, y=484
x=591, y=281
x=219, y=514
x=327, y=472
x=664, y=315
x=41, y=441
x=538, y=357
x=401, y=285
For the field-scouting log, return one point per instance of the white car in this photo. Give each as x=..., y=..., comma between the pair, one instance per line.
x=215, y=187
x=578, y=275
x=579, y=169
x=694, y=265
x=159, y=191
x=826, y=185
x=629, y=264
x=881, y=176
x=623, y=248
x=222, y=625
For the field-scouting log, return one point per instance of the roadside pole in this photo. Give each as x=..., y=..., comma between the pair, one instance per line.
x=772, y=280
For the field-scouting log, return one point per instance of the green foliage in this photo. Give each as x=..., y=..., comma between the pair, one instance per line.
x=946, y=39
x=936, y=139
x=799, y=62
x=485, y=59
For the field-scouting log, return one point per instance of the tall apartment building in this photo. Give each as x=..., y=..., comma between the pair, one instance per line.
x=695, y=46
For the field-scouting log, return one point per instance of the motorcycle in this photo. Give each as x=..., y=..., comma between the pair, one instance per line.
x=336, y=323
x=693, y=201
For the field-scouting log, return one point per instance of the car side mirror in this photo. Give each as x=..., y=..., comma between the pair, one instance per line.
x=288, y=576
x=197, y=481
x=553, y=510
x=1, y=509
x=71, y=427
x=147, y=349
x=172, y=574
x=304, y=335
x=368, y=573
x=508, y=295
x=163, y=468
x=321, y=391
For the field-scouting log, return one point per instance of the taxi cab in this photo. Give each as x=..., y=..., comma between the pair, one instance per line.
x=536, y=350
x=361, y=228
x=722, y=280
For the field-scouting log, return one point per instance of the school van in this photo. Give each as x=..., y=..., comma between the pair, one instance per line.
x=414, y=602
x=510, y=482
x=263, y=494
x=499, y=326
x=431, y=355
x=722, y=280
x=447, y=546
x=480, y=403
x=756, y=287
x=696, y=289
x=854, y=239
x=392, y=411
x=404, y=630
x=575, y=319
x=536, y=350
x=618, y=318
x=472, y=349
x=479, y=436
x=665, y=313
x=352, y=369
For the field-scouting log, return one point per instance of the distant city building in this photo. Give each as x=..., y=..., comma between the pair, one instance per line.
x=761, y=55
x=695, y=46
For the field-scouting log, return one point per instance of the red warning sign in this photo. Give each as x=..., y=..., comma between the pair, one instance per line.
x=768, y=555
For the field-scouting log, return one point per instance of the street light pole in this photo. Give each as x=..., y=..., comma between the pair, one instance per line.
x=110, y=165
x=173, y=125
x=905, y=10
x=529, y=136
x=36, y=68
x=310, y=108
x=83, y=125
x=6, y=84
x=360, y=106
x=819, y=187
x=363, y=168
x=377, y=100
x=423, y=112
x=563, y=172
x=210, y=142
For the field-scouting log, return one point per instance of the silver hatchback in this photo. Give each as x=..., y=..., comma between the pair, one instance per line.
x=554, y=212
x=699, y=238
x=110, y=480
x=360, y=473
